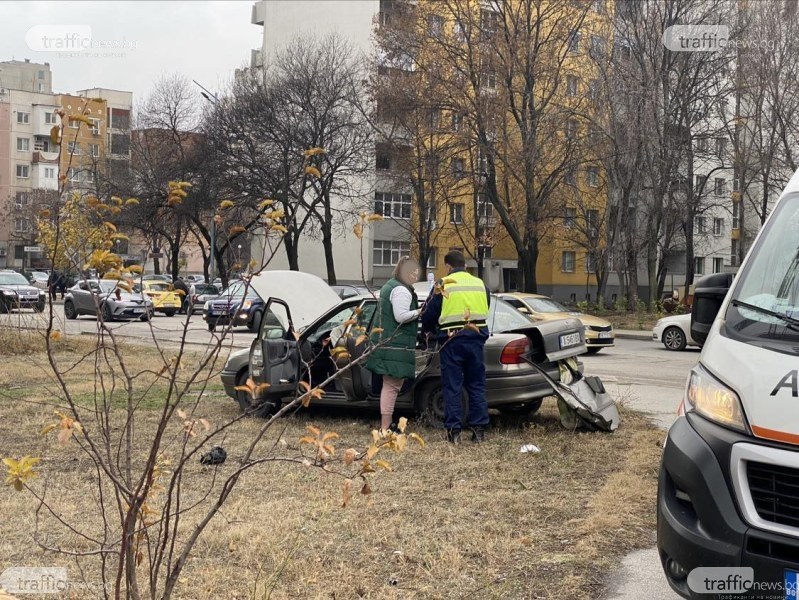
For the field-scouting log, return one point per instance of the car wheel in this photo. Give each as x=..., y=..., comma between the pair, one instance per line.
x=430, y=404
x=593, y=349
x=69, y=310
x=146, y=316
x=170, y=313
x=107, y=316
x=255, y=324
x=674, y=339
x=264, y=409
x=39, y=307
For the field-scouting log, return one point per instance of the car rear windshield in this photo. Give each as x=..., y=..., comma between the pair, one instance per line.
x=158, y=287
x=769, y=285
x=545, y=305
x=503, y=317
x=13, y=279
x=205, y=289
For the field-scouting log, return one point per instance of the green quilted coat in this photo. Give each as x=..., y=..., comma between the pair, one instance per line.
x=397, y=356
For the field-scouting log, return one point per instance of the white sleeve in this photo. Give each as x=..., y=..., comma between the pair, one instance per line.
x=401, y=303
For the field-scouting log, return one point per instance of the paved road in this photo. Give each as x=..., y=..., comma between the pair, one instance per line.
x=165, y=329
x=649, y=378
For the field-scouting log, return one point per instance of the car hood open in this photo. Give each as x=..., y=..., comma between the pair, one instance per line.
x=307, y=296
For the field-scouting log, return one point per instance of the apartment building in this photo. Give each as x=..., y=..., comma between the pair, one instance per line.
x=31, y=157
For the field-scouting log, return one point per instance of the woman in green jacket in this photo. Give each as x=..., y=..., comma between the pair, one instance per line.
x=395, y=355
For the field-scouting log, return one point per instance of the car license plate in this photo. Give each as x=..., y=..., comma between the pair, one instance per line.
x=791, y=585
x=605, y=335
x=570, y=339
x=138, y=310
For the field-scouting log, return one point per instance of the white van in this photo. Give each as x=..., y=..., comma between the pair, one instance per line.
x=728, y=493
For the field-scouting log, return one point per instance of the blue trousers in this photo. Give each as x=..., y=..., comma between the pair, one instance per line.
x=463, y=367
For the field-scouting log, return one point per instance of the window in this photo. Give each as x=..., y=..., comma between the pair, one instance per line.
x=21, y=225
x=721, y=146
x=574, y=41
x=482, y=162
x=432, y=259
x=567, y=261
x=699, y=265
x=571, y=85
x=593, y=90
x=736, y=185
x=699, y=184
x=95, y=126
x=457, y=168
x=41, y=74
x=21, y=199
x=49, y=172
x=23, y=144
x=571, y=128
x=23, y=171
x=395, y=206
x=485, y=210
x=598, y=6
x=590, y=262
x=435, y=118
x=74, y=148
x=592, y=222
x=700, y=224
x=435, y=26
x=719, y=186
x=488, y=77
x=387, y=254
x=457, y=121
x=40, y=87
x=594, y=134
x=23, y=118
x=459, y=31
x=736, y=214
x=73, y=174
x=94, y=149
x=701, y=144
x=382, y=160
x=626, y=51
x=484, y=252
x=718, y=226
x=718, y=265
x=49, y=118
x=593, y=176
x=570, y=220
x=489, y=23
x=456, y=214
x=597, y=46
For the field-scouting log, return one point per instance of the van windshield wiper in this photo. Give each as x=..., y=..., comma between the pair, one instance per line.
x=790, y=321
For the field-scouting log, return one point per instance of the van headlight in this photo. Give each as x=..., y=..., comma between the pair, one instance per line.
x=713, y=400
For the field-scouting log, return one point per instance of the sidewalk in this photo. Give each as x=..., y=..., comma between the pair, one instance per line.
x=633, y=334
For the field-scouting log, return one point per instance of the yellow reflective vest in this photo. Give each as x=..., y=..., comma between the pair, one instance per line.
x=464, y=302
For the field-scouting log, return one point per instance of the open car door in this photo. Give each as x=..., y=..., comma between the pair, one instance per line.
x=275, y=352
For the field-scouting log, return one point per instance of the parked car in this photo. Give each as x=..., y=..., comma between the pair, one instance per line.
x=159, y=277
x=194, y=279
x=199, y=294
x=348, y=291
x=302, y=303
x=114, y=302
x=39, y=279
x=238, y=304
x=598, y=332
x=16, y=292
x=164, y=298
x=674, y=332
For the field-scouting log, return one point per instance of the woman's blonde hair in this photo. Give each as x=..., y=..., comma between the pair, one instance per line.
x=405, y=266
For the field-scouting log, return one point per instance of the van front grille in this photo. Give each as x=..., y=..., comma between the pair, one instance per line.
x=775, y=492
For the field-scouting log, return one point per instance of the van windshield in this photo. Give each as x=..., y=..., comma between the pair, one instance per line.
x=765, y=303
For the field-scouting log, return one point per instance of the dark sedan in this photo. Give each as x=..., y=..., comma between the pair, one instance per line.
x=238, y=306
x=17, y=292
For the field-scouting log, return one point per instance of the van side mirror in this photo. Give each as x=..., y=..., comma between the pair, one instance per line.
x=709, y=294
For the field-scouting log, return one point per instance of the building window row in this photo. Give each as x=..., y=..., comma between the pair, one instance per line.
x=394, y=206
x=387, y=253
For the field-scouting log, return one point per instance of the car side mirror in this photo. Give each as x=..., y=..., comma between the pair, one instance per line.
x=709, y=294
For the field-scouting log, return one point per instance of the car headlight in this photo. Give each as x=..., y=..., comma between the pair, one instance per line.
x=9, y=293
x=246, y=304
x=713, y=400
x=586, y=328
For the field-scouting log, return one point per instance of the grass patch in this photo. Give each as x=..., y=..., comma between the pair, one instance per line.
x=470, y=521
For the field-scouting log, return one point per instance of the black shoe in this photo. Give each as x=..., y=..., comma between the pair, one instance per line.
x=454, y=436
x=394, y=428
x=478, y=434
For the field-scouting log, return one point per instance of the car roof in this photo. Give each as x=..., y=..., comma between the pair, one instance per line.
x=523, y=295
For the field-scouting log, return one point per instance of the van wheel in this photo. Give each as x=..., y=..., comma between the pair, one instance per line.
x=674, y=339
x=264, y=409
x=69, y=310
x=430, y=404
x=170, y=313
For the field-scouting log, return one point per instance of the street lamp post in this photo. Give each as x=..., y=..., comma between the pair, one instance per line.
x=213, y=99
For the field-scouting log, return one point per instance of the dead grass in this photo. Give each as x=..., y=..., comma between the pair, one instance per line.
x=637, y=321
x=449, y=522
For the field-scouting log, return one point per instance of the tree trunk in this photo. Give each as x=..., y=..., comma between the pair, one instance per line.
x=327, y=243
x=292, y=252
x=527, y=263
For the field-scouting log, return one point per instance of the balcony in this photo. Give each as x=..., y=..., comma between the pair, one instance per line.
x=258, y=13
x=41, y=113
x=40, y=156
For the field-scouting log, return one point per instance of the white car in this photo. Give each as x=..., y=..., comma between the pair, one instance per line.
x=674, y=332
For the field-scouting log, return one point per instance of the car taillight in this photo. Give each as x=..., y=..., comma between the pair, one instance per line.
x=512, y=353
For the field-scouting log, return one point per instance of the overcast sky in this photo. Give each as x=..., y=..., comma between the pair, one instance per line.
x=205, y=41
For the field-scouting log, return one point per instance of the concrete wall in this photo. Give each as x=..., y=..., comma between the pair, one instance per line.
x=24, y=75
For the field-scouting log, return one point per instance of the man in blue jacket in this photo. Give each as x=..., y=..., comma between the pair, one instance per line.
x=458, y=312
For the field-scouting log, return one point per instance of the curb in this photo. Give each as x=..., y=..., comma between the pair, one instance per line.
x=634, y=335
